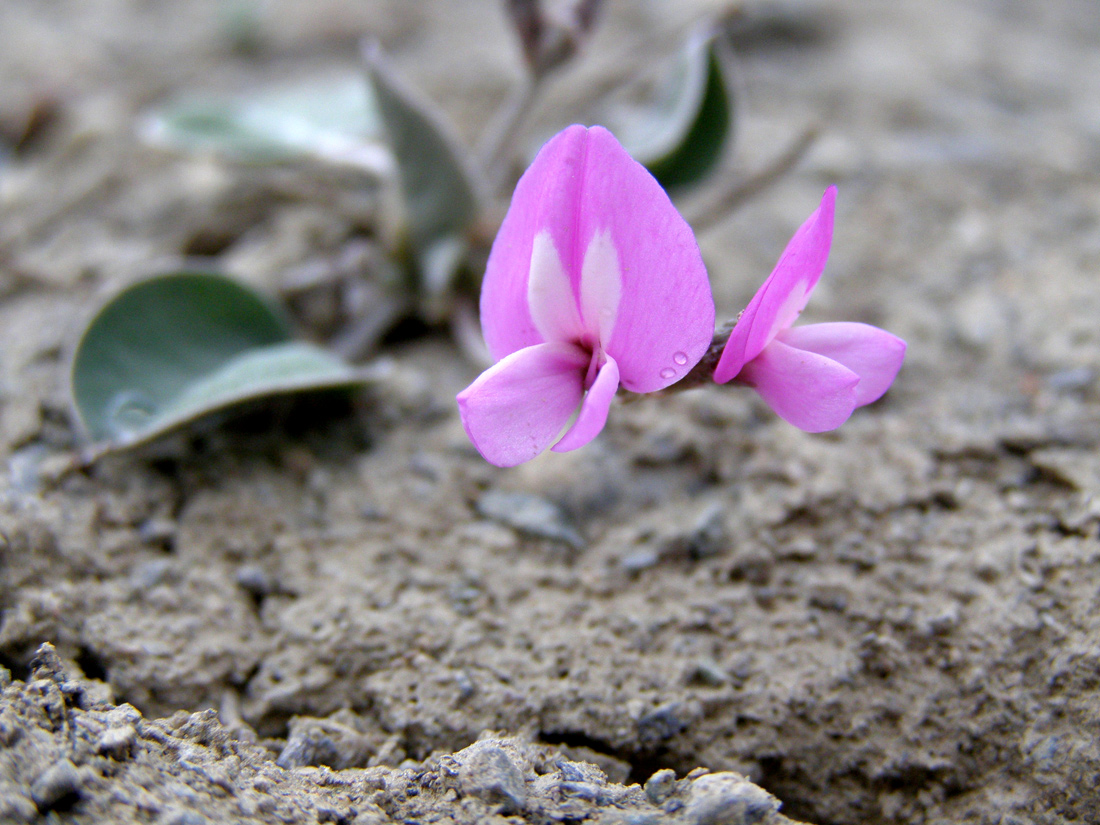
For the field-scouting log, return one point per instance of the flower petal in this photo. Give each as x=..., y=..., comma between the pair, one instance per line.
x=872, y=353
x=808, y=390
x=550, y=294
x=594, y=409
x=601, y=285
x=665, y=318
x=517, y=407
x=599, y=203
x=777, y=303
x=545, y=199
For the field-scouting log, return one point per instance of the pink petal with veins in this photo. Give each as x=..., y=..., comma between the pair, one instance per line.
x=665, y=316
x=518, y=407
x=645, y=291
x=592, y=266
x=594, y=409
x=810, y=391
x=545, y=200
x=783, y=296
x=872, y=353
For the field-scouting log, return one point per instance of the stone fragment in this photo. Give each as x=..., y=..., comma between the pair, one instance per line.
x=659, y=786
x=185, y=818
x=117, y=742
x=327, y=742
x=58, y=783
x=487, y=772
x=15, y=806
x=728, y=798
x=529, y=514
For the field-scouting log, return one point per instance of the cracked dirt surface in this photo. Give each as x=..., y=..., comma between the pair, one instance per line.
x=313, y=612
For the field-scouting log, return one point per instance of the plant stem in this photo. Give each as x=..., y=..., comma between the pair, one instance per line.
x=739, y=190
x=498, y=144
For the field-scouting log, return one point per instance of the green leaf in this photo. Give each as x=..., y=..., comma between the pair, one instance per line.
x=438, y=266
x=332, y=118
x=680, y=133
x=173, y=348
x=440, y=195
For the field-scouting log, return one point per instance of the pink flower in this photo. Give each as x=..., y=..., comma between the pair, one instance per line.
x=812, y=376
x=594, y=280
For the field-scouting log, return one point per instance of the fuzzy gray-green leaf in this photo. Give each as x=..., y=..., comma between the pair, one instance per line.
x=173, y=348
x=681, y=132
x=332, y=118
x=440, y=195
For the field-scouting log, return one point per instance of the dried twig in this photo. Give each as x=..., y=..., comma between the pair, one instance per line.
x=725, y=200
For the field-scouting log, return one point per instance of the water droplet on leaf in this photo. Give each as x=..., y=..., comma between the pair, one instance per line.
x=680, y=358
x=129, y=412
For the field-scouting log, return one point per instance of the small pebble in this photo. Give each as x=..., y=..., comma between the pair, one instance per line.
x=15, y=807
x=709, y=536
x=308, y=746
x=255, y=580
x=487, y=772
x=638, y=560
x=116, y=742
x=529, y=514
x=10, y=730
x=825, y=597
x=464, y=684
x=661, y=723
x=581, y=772
x=327, y=813
x=56, y=784
x=1074, y=379
x=159, y=531
x=185, y=818
x=124, y=714
x=727, y=799
x=148, y=575
x=659, y=786
x=707, y=672
x=588, y=791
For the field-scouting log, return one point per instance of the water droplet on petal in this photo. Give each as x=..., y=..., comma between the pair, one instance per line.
x=680, y=358
x=668, y=372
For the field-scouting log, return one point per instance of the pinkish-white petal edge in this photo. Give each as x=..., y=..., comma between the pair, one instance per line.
x=784, y=294
x=518, y=407
x=810, y=391
x=594, y=409
x=874, y=354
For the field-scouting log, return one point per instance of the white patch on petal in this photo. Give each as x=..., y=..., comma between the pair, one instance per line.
x=601, y=286
x=550, y=294
x=789, y=310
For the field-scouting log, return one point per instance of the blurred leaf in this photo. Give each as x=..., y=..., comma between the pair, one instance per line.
x=439, y=265
x=178, y=346
x=440, y=195
x=333, y=118
x=680, y=134
x=241, y=24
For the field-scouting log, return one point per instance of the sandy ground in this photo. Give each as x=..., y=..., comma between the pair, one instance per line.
x=313, y=613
